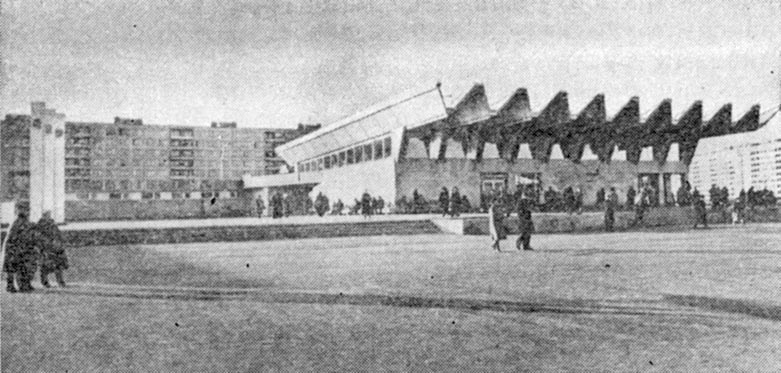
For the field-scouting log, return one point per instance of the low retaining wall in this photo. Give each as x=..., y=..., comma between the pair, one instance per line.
x=156, y=209
x=244, y=233
x=595, y=221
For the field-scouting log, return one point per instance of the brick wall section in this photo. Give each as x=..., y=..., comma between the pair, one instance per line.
x=245, y=233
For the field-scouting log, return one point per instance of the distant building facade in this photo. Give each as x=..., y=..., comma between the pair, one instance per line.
x=130, y=160
x=420, y=143
x=741, y=161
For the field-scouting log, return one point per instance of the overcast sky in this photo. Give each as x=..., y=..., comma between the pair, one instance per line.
x=277, y=63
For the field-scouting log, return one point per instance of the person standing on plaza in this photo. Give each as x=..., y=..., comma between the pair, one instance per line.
x=630, y=197
x=455, y=203
x=569, y=199
x=578, y=200
x=525, y=224
x=611, y=204
x=338, y=207
x=20, y=259
x=496, y=226
x=600, y=197
x=321, y=204
x=53, y=258
x=380, y=205
x=287, y=204
x=261, y=206
x=640, y=204
x=700, y=212
x=366, y=204
x=444, y=200
x=276, y=206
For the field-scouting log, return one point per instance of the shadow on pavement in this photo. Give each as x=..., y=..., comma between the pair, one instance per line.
x=764, y=311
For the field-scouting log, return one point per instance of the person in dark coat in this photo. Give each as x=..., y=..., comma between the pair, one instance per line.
x=525, y=224
x=366, y=205
x=276, y=206
x=569, y=199
x=338, y=207
x=321, y=204
x=21, y=259
x=611, y=204
x=600, y=197
x=455, y=203
x=444, y=201
x=465, y=205
x=700, y=212
x=53, y=258
x=380, y=205
x=630, y=197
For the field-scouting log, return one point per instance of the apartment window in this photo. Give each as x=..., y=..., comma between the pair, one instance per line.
x=350, y=156
x=359, y=154
x=327, y=162
x=334, y=160
x=378, y=149
x=387, y=146
x=342, y=158
x=367, y=151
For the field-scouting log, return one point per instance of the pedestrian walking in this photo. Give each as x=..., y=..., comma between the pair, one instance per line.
x=52, y=252
x=366, y=204
x=700, y=212
x=20, y=259
x=496, y=224
x=641, y=203
x=525, y=225
x=455, y=203
x=611, y=204
x=444, y=201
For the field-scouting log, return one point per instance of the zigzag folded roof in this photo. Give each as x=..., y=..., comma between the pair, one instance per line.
x=424, y=114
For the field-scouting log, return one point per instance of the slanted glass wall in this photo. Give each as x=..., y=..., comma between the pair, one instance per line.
x=372, y=150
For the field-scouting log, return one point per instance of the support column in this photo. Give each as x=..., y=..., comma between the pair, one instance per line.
x=58, y=212
x=37, y=170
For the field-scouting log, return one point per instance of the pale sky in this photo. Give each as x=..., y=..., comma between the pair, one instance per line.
x=278, y=63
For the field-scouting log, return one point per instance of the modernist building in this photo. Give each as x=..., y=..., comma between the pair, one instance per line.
x=130, y=160
x=418, y=142
x=741, y=161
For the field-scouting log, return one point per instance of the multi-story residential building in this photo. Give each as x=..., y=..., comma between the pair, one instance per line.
x=15, y=157
x=130, y=160
x=740, y=161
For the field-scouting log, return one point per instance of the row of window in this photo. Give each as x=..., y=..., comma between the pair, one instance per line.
x=362, y=153
x=155, y=195
x=149, y=185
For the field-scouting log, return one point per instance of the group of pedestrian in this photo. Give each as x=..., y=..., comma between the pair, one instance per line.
x=498, y=210
x=281, y=205
x=450, y=202
x=28, y=247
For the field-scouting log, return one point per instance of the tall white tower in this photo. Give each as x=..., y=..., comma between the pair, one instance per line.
x=47, y=163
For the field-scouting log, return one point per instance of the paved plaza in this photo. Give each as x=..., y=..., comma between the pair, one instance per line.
x=654, y=300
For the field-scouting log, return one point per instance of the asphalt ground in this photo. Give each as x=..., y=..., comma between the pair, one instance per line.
x=682, y=300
